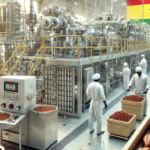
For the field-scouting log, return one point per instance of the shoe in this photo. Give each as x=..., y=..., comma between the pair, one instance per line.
x=92, y=130
x=100, y=132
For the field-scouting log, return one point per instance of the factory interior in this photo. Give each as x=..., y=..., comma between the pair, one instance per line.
x=54, y=54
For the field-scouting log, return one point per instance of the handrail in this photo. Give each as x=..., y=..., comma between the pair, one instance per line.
x=17, y=61
x=35, y=55
x=35, y=67
x=2, y=70
x=111, y=46
x=33, y=60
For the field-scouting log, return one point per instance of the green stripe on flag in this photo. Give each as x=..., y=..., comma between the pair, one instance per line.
x=140, y=20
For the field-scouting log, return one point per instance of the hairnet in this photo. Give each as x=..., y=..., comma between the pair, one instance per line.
x=142, y=56
x=138, y=69
x=96, y=76
x=125, y=64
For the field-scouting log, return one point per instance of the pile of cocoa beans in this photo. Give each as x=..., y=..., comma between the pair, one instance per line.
x=133, y=98
x=121, y=116
x=4, y=116
x=44, y=108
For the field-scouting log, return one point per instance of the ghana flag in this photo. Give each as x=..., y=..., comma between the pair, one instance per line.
x=138, y=9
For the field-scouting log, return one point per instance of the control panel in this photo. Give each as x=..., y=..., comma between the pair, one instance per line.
x=17, y=93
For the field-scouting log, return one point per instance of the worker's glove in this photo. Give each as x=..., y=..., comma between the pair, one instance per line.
x=145, y=92
x=128, y=90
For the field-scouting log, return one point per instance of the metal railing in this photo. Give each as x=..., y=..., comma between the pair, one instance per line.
x=102, y=45
x=95, y=46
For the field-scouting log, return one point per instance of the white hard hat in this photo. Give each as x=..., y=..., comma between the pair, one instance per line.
x=138, y=69
x=142, y=55
x=96, y=76
x=125, y=64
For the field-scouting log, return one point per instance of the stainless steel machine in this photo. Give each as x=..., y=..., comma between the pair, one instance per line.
x=18, y=97
x=59, y=34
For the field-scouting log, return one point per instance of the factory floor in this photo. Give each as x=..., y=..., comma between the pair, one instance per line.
x=73, y=133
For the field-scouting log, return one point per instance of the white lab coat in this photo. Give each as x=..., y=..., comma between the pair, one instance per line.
x=143, y=65
x=95, y=92
x=141, y=84
x=126, y=76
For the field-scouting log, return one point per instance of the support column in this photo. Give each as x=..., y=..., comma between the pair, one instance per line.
x=79, y=85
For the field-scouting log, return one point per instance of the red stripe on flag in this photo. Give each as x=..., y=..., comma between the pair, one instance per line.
x=137, y=2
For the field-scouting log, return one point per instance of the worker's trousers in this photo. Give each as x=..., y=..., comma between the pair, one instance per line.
x=95, y=111
x=144, y=96
x=126, y=82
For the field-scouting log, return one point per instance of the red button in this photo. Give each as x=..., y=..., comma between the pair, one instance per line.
x=10, y=106
x=3, y=105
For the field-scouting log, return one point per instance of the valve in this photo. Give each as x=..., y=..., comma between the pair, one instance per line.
x=10, y=106
x=18, y=107
x=3, y=105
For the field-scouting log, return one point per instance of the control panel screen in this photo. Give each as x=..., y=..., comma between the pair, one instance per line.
x=10, y=86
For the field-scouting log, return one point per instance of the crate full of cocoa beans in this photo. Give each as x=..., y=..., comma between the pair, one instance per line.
x=121, y=123
x=133, y=104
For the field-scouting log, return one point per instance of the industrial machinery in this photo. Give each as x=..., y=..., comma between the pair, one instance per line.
x=18, y=97
x=63, y=53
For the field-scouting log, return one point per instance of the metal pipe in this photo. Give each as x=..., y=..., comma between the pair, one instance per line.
x=112, y=7
x=95, y=7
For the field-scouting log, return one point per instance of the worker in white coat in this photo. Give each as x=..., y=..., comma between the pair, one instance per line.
x=95, y=92
x=143, y=64
x=126, y=75
x=141, y=85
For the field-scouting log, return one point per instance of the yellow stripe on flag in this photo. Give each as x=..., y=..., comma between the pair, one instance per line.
x=147, y=11
x=134, y=12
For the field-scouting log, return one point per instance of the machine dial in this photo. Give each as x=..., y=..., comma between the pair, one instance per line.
x=3, y=105
x=10, y=106
x=18, y=107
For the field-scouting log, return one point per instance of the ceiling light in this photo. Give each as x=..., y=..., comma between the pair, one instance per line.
x=76, y=3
